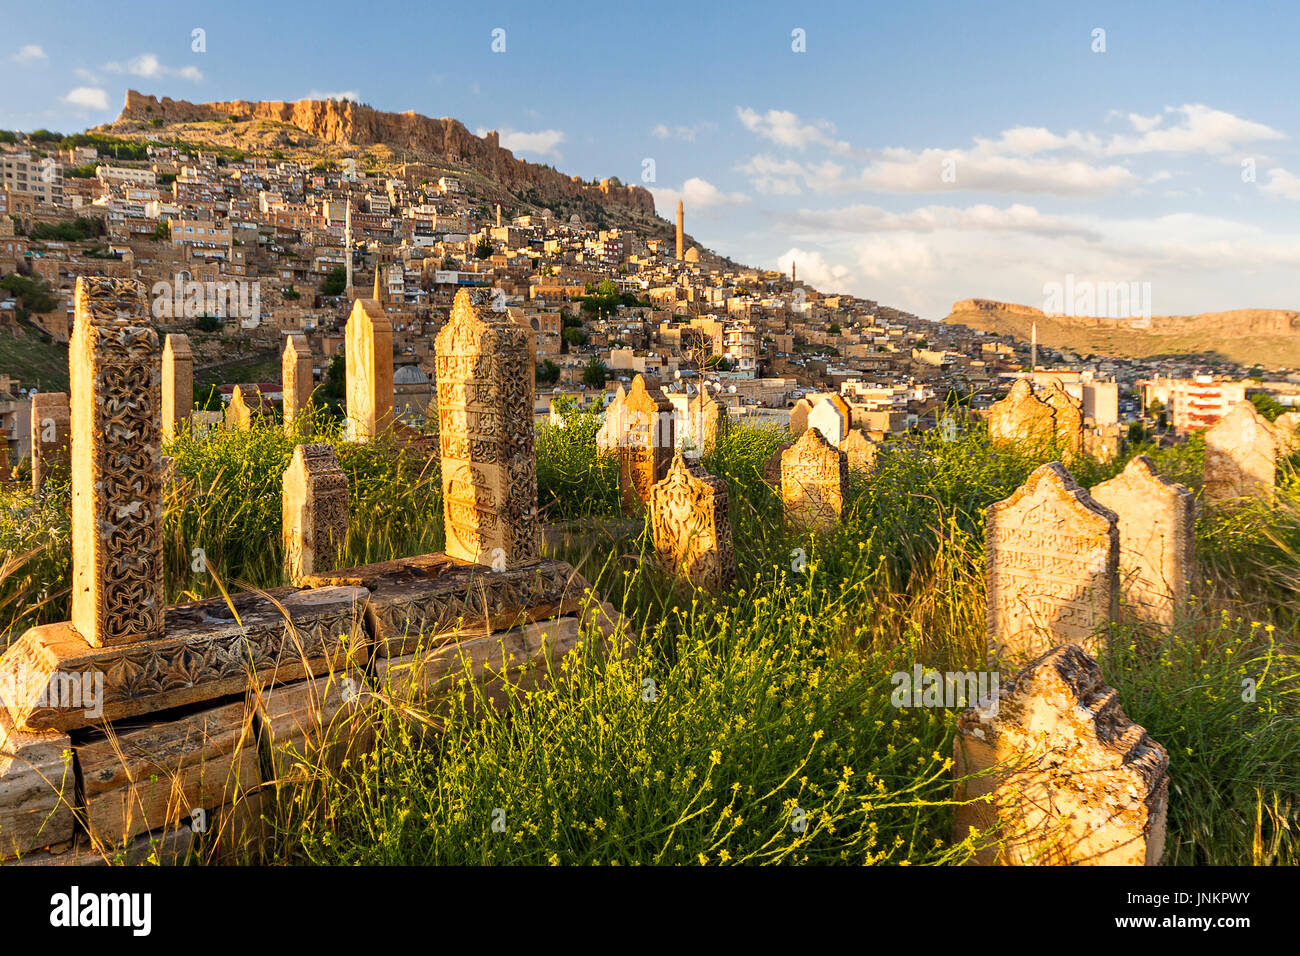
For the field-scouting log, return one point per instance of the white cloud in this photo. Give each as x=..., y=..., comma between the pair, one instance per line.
x=814, y=269
x=1281, y=183
x=352, y=95
x=696, y=193
x=83, y=74
x=541, y=143
x=1200, y=129
x=859, y=219
x=687, y=133
x=787, y=129
x=938, y=170
x=29, y=54
x=148, y=65
x=87, y=97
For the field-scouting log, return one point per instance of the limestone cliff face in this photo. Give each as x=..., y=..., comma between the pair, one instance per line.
x=1238, y=322
x=349, y=124
x=1270, y=337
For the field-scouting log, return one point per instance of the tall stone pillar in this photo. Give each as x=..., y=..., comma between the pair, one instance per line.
x=295, y=378
x=177, y=383
x=485, y=426
x=116, y=384
x=50, y=427
x=368, y=357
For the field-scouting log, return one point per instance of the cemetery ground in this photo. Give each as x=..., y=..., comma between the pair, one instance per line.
x=753, y=724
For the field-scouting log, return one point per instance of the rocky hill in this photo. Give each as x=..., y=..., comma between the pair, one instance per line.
x=334, y=129
x=1268, y=337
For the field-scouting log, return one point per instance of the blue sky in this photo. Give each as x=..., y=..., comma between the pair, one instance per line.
x=914, y=153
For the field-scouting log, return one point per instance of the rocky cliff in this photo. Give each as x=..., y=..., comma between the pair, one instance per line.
x=346, y=124
x=1269, y=337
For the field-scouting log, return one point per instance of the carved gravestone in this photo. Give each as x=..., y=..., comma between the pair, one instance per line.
x=1157, y=519
x=368, y=360
x=51, y=425
x=799, y=416
x=177, y=383
x=1022, y=418
x=485, y=426
x=772, y=467
x=692, y=534
x=831, y=418
x=814, y=479
x=315, y=511
x=239, y=415
x=613, y=430
x=1052, y=566
x=706, y=419
x=116, y=385
x=1064, y=777
x=1287, y=429
x=295, y=379
x=1241, y=452
x=647, y=445
x=1068, y=417
x=860, y=450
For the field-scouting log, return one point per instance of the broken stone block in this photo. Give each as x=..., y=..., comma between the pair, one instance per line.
x=1061, y=775
x=37, y=790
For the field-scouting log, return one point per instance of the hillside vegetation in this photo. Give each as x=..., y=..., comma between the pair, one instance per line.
x=745, y=711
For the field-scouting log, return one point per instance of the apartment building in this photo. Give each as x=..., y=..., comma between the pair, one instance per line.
x=37, y=180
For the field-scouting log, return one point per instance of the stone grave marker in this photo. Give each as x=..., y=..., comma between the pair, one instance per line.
x=295, y=379
x=1052, y=565
x=51, y=424
x=692, y=533
x=177, y=383
x=1241, y=451
x=315, y=511
x=1157, y=520
x=814, y=479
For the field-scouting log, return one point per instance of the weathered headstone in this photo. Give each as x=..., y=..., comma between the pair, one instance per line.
x=814, y=479
x=315, y=511
x=1157, y=519
x=613, y=430
x=1287, y=428
x=647, y=446
x=1052, y=566
x=204, y=423
x=830, y=418
x=692, y=533
x=485, y=425
x=799, y=416
x=1022, y=418
x=116, y=380
x=239, y=415
x=1076, y=782
x=772, y=467
x=1241, y=452
x=1068, y=419
x=177, y=383
x=51, y=424
x=706, y=419
x=295, y=379
x=368, y=358
x=861, y=451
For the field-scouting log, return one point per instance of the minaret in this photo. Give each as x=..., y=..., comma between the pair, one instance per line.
x=794, y=274
x=1033, y=351
x=498, y=215
x=347, y=241
x=679, y=229
x=378, y=294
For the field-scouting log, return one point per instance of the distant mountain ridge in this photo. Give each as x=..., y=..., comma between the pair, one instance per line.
x=1268, y=337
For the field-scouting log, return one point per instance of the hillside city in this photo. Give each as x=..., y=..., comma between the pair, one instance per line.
x=238, y=250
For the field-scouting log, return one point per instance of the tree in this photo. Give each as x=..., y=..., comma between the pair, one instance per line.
x=335, y=282
x=162, y=232
x=833, y=328
x=548, y=373
x=1267, y=405
x=595, y=373
x=208, y=323
x=33, y=294
x=335, y=385
x=574, y=336
x=483, y=249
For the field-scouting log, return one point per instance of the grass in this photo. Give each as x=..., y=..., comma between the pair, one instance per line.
x=754, y=725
